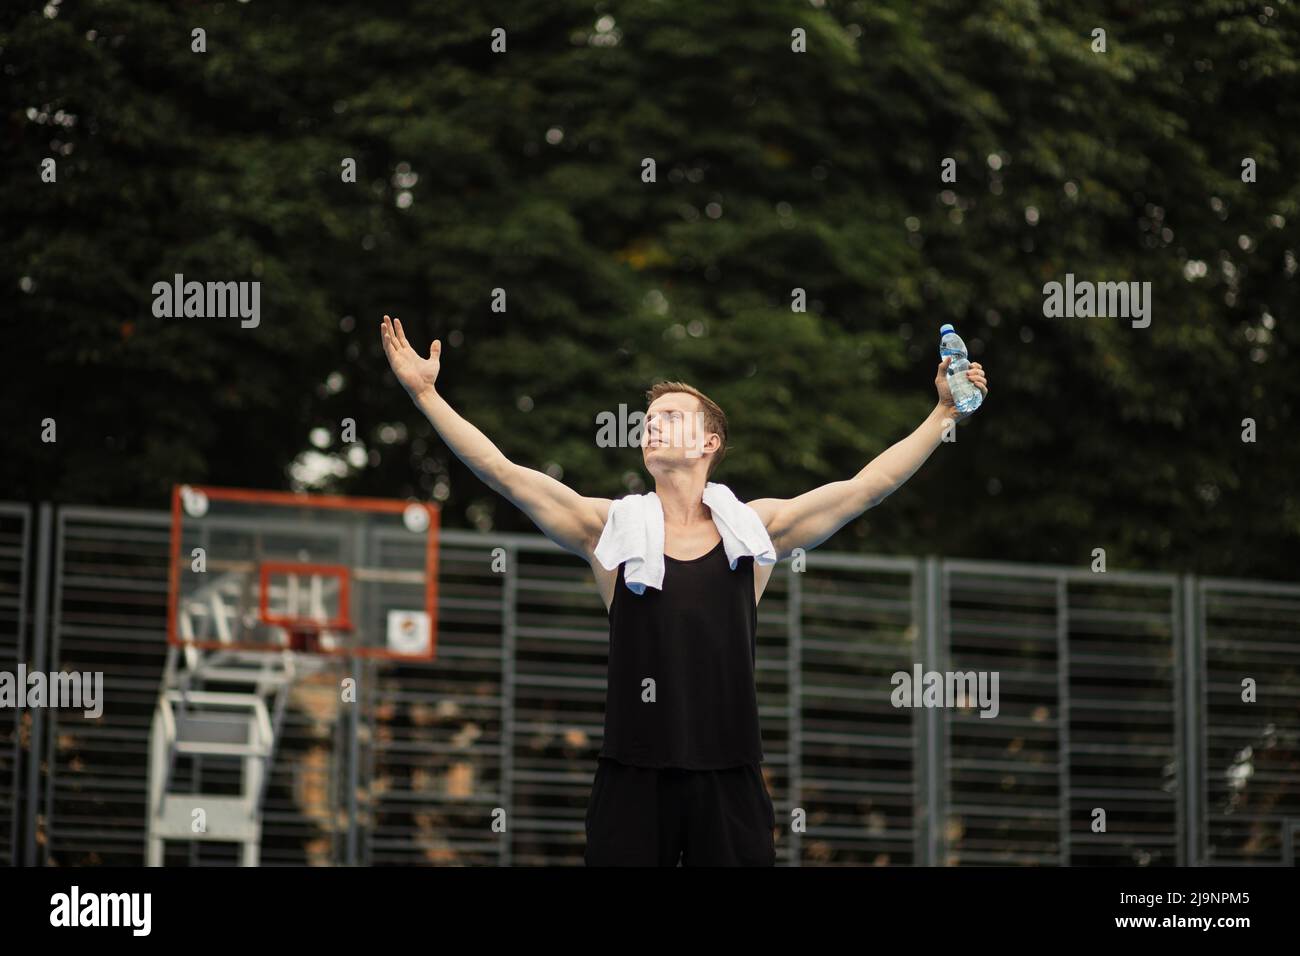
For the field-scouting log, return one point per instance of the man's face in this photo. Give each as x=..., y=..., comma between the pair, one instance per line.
x=674, y=435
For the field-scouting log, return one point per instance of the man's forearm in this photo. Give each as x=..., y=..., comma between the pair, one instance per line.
x=885, y=473
x=469, y=444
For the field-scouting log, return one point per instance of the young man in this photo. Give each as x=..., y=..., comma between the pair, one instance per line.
x=678, y=777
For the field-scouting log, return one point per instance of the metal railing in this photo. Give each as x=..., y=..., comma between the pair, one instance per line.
x=1123, y=696
x=15, y=538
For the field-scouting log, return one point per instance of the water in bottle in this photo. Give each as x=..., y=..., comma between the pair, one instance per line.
x=964, y=394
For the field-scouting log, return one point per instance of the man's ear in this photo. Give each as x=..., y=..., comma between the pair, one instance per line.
x=708, y=435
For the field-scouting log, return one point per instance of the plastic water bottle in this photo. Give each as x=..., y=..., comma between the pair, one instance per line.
x=964, y=394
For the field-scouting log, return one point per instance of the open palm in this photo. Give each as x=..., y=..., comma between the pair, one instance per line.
x=416, y=374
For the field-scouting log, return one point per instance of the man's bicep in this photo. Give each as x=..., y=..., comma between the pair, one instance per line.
x=807, y=520
x=766, y=508
x=571, y=520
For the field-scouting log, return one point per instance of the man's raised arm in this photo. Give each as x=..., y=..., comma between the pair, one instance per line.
x=566, y=517
x=809, y=519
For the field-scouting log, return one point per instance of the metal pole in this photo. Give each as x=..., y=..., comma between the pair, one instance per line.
x=337, y=774
x=932, y=717
x=920, y=730
x=56, y=661
x=24, y=561
x=509, y=623
x=794, y=663
x=366, y=856
x=1063, y=716
x=354, y=758
x=1193, y=715
x=40, y=639
x=1182, y=733
x=362, y=672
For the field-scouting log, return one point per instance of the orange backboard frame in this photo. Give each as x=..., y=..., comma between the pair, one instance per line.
x=283, y=498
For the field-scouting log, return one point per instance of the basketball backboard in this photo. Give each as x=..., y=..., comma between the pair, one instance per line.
x=264, y=570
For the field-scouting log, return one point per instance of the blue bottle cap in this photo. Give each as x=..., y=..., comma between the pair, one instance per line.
x=945, y=329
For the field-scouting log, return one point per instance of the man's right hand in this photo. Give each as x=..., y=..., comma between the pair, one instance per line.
x=416, y=374
x=573, y=522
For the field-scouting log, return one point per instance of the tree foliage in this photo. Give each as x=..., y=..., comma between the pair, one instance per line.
x=776, y=170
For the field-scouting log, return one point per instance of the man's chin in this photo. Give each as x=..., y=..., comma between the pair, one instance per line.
x=659, y=457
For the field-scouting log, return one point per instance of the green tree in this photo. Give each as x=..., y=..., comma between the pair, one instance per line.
x=776, y=171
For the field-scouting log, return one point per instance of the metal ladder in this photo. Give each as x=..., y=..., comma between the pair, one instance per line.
x=190, y=721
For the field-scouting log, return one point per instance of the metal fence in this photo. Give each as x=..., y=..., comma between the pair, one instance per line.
x=1123, y=697
x=15, y=528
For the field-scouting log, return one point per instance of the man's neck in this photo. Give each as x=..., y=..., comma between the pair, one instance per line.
x=682, y=497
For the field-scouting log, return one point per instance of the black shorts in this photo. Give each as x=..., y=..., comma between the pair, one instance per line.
x=644, y=816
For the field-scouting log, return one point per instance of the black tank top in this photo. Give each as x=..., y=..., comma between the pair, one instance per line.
x=697, y=638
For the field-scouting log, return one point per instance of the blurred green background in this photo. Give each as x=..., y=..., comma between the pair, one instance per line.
x=776, y=171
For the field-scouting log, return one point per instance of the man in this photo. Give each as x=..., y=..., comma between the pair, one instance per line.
x=678, y=777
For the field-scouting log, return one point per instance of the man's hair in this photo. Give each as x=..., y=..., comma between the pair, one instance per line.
x=715, y=419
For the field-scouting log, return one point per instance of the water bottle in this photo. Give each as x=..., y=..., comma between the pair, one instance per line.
x=964, y=394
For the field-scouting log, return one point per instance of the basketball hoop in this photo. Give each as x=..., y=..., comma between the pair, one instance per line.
x=307, y=637
x=304, y=638
x=315, y=575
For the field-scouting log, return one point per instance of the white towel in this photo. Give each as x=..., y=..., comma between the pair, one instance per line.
x=634, y=532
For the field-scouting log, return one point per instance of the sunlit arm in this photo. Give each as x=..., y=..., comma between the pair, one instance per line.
x=809, y=519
